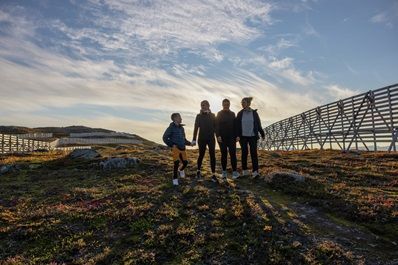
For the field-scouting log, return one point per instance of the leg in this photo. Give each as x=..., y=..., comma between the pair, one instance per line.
x=212, y=153
x=202, y=150
x=183, y=158
x=176, y=164
x=232, y=153
x=223, y=149
x=253, y=152
x=243, y=146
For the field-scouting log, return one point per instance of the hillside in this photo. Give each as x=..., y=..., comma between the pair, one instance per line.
x=59, y=210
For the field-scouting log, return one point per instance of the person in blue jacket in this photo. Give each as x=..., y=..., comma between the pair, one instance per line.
x=174, y=137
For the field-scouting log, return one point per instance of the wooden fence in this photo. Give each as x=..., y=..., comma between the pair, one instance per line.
x=15, y=144
x=368, y=121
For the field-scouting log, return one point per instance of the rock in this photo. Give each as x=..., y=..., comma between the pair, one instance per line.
x=120, y=147
x=287, y=175
x=7, y=168
x=118, y=162
x=296, y=244
x=34, y=166
x=84, y=153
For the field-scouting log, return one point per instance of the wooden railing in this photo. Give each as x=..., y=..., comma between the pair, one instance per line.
x=14, y=144
x=367, y=121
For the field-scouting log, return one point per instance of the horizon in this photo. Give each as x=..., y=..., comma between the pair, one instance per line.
x=127, y=67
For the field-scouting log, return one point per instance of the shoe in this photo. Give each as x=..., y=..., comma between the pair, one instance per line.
x=255, y=175
x=175, y=182
x=214, y=179
x=224, y=174
x=181, y=173
x=245, y=173
x=198, y=174
x=235, y=175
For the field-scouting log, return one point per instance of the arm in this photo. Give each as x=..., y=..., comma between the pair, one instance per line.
x=260, y=128
x=195, y=130
x=185, y=139
x=217, y=125
x=238, y=124
x=167, y=136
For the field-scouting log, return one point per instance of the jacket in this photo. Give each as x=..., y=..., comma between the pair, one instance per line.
x=256, y=126
x=175, y=135
x=225, y=124
x=207, y=124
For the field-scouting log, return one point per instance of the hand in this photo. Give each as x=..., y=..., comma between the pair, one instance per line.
x=219, y=139
x=237, y=139
x=193, y=143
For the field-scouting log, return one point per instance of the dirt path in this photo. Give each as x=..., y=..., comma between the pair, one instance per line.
x=313, y=226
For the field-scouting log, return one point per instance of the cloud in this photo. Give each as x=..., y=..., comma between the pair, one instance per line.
x=286, y=69
x=116, y=60
x=338, y=92
x=387, y=17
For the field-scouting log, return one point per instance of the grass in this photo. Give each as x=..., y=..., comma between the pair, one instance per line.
x=69, y=211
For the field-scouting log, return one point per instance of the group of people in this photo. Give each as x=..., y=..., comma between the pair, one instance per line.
x=225, y=128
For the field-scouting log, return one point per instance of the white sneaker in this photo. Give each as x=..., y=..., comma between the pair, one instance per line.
x=175, y=182
x=245, y=173
x=255, y=175
x=181, y=173
x=235, y=175
x=224, y=174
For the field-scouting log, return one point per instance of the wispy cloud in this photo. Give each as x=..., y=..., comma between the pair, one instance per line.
x=338, y=92
x=285, y=68
x=389, y=17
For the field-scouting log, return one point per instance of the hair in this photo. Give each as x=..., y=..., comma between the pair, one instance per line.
x=174, y=115
x=205, y=102
x=248, y=100
x=226, y=100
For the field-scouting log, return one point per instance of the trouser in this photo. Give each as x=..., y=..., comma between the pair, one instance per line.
x=211, y=143
x=228, y=145
x=252, y=142
x=178, y=155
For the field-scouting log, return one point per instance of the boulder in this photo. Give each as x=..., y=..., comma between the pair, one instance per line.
x=7, y=168
x=84, y=154
x=118, y=162
x=285, y=175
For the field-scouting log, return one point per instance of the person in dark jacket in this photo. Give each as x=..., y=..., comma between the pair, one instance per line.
x=226, y=138
x=174, y=137
x=205, y=122
x=248, y=127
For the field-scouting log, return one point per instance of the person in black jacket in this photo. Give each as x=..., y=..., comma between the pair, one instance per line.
x=205, y=122
x=226, y=138
x=248, y=126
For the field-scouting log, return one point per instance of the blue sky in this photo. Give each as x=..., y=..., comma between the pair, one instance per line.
x=127, y=65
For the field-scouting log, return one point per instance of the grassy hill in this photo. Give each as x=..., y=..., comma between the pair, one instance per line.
x=57, y=210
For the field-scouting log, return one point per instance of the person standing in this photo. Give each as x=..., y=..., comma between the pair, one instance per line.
x=205, y=122
x=226, y=138
x=174, y=137
x=248, y=127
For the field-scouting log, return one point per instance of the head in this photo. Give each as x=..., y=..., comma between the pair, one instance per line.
x=176, y=118
x=246, y=102
x=204, y=105
x=226, y=104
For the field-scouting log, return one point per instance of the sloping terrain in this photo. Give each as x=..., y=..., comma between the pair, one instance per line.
x=58, y=210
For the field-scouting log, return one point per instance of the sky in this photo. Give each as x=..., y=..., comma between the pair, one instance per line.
x=127, y=65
